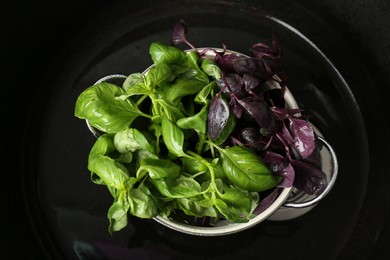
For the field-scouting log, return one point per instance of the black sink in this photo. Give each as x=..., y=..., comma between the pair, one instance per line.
x=337, y=58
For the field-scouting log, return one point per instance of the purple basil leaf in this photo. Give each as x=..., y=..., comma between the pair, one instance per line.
x=225, y=62
x=220, y=121
x=179, y=34
x=309, y=178
x=250, y=81
x=269, y=67
x=252, y=138
x=250, y=135
x=288, y=175
x=275, y=161
x=237, y=109
x=315, y=158
x=284, y=141
x=284, y=113
x=262, y=50
x=261, y=113
x=217, y=116
x=280, y=166
x=268, y=61
x=263, y=69
x=246, y=66
x=303, y=134
x=266, y=202
x=234, y=84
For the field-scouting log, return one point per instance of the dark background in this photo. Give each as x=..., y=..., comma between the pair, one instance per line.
x=34, y=35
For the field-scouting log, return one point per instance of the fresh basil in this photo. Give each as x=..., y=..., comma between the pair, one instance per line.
x=197, y=122
x=158, y=169
x=193, y=207
x=158, y=75
x=189, y=135
x=141, y=205
x=131, y=140
x=133, y=80
x=165, y=54
x=118, y=212
x=98, y=104
x=182, y=187
x=246, y=170
x=221, y=121
x=173, y=137
x=111, y=172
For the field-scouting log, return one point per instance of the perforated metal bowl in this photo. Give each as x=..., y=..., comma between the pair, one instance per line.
x=290, y=202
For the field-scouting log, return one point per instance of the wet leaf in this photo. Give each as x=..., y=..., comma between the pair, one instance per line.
x=221, y=121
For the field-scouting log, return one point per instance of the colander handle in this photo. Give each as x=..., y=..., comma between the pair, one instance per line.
x=335, y=166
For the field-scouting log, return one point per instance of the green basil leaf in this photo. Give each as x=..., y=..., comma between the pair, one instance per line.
x=240, y=199
x=98, y=104
x=195, y=207
x=218, y=170
x=141, y=155
x=211, y=68
x=178, y=69
x=233, y=203
x=216, y=186
x=133, y=91
x=111, y=172
x=198, y=122
x=156, y=130
x=230, y=212
x=192, y=61
x=133, y=80
x=193, y=165
x=131, y=140
x=172, y=112
x=182, y=187
x=162, y=53
x=158, y=169
x=203, y=96
x=188, y=83
x=96, y=179
x=158, y=74
x=124, y=157
x=117, y=213
x=246, y=170
x=173, y=137
x=164, y=206
x=141, y=205
x=181, y=87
